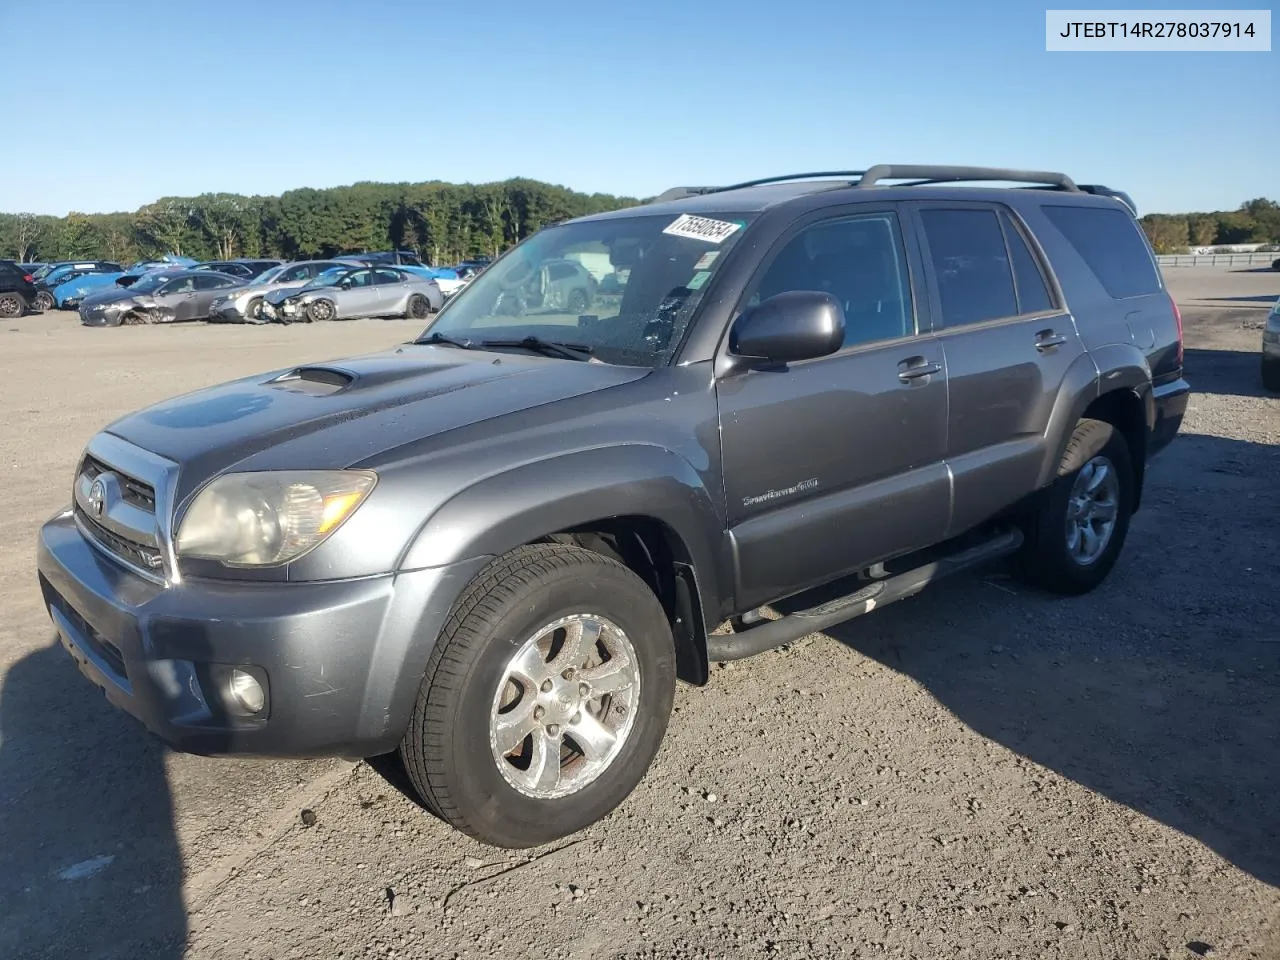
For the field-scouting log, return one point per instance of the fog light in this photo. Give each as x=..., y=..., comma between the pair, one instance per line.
x=247, y=691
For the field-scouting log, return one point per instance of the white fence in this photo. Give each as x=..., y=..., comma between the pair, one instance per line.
x=1217, y=259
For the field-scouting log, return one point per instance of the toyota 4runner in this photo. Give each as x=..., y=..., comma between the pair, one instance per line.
x=496, y=548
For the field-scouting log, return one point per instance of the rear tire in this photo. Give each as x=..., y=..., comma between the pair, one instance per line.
x=12, y=305
x=419, y=307
x=489, y=659
x=1078, y=529
x=1271, y=374
x=578, y=301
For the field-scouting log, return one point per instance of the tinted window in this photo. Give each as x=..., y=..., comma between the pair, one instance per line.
x=213, y=282
x=387, y=276
x=858, y=261
x=969, y=260
x=361, y=278
x=295, y=274
x=183, y=285
x=561, y=271
x=1111, y=243
x=1033, y=292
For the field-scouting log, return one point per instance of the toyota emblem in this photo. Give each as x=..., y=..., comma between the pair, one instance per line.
x=97, y=497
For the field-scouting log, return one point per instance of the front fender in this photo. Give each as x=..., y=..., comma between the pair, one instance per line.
x=504, y=511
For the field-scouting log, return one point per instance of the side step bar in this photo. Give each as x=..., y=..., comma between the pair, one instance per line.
x=774, y=633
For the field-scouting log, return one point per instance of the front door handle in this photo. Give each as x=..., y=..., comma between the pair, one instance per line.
x=915, y=368
x=1047, y=340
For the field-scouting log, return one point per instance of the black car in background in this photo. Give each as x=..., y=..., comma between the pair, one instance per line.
x=17, y=289
x=376, y=257
x=244, y=269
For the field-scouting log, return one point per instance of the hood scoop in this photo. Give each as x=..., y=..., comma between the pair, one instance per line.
x=314, y=381
x=366, y=373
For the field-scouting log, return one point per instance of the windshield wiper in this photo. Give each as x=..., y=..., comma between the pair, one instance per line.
x=570, y=351
x=441, y=338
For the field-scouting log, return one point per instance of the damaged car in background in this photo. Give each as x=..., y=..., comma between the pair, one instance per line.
x=165, y=296
x=348, y=293
x=244, y=304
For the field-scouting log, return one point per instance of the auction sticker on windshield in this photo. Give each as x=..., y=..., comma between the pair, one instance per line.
x=701, y=228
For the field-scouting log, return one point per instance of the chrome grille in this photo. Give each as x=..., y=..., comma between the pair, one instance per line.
x=122, y=493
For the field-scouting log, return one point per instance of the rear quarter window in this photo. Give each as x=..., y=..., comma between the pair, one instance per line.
x=1111, y=243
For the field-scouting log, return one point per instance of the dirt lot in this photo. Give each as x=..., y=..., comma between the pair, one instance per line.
x=980, y=772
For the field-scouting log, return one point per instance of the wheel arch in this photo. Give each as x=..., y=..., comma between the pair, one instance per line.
x=643, y=505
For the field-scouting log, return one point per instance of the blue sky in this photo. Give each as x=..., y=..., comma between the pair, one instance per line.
x=132, y=101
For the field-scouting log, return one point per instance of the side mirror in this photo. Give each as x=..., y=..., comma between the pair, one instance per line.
x=797, y=325
x=345, y=285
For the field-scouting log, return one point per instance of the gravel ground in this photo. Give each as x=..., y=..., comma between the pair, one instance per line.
x=980, y=772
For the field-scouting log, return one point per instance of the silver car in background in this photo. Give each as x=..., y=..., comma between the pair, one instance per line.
x=244, y=305
x=350, y=292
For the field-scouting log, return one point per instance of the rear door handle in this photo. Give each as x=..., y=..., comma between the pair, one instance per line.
x=1047, y=340
x=915, y=368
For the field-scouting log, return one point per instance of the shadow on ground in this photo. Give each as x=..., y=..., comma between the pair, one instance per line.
x=1266, y=300
x=89, y=863
x=1228, y=372
x=1161, y=689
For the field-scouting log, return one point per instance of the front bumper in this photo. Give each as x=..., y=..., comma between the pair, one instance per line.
x=227, y=312
x=341, y=660
x=95, y=316
x=1170, y=400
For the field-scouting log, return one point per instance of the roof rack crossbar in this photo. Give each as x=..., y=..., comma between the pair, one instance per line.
x=943, y=174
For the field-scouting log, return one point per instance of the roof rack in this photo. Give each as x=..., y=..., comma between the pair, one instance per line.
x=918, y=175
x=679, y=193
x=924, y=174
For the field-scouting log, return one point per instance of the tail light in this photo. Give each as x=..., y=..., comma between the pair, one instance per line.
x=1177, y=315
x=28, y=278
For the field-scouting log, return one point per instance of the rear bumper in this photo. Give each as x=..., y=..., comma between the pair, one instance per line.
x=341, y=661
x=1170, y=401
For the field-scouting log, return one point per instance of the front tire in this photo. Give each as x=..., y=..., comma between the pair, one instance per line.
x=318, y=311
x=546, y=697
x=43, y=301
x=1075, y=536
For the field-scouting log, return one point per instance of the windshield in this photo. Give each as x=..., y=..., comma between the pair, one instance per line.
x=329, y=277
x=624, y=287
x=150, y=282
x=40, y=272
x=268, y=275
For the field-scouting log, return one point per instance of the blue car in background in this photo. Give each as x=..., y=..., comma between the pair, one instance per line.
x=68, y=294
x=62, y=273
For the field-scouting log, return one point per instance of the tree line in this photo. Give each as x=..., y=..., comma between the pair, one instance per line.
x=1257, y=221
x=444, y=222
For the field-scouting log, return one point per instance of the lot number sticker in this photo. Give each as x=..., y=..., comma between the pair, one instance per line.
x=700, y=228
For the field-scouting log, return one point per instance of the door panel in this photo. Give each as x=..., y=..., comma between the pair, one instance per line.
x=1008, y=346
x=837, y=462
x=1003, y=390
x=832, y=465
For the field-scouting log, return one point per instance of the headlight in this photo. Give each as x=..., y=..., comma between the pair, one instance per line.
x=272, y=517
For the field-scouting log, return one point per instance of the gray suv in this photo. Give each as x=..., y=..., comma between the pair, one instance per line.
x=497, y=547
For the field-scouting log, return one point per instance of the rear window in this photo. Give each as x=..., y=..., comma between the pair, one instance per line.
x=1112, y=245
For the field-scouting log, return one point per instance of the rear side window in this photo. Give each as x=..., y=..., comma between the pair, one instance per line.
x=1111, y=243
x=1033, y=292
x=975, y=282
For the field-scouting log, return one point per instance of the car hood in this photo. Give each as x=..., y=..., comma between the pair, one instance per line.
x=337, y=414
x=278, y=295
x=111, y=295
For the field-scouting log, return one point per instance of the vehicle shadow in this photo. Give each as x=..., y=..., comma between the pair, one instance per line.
x=1228, y=372
x=1267, y=300
x=1161, y=689
x=89, y=862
